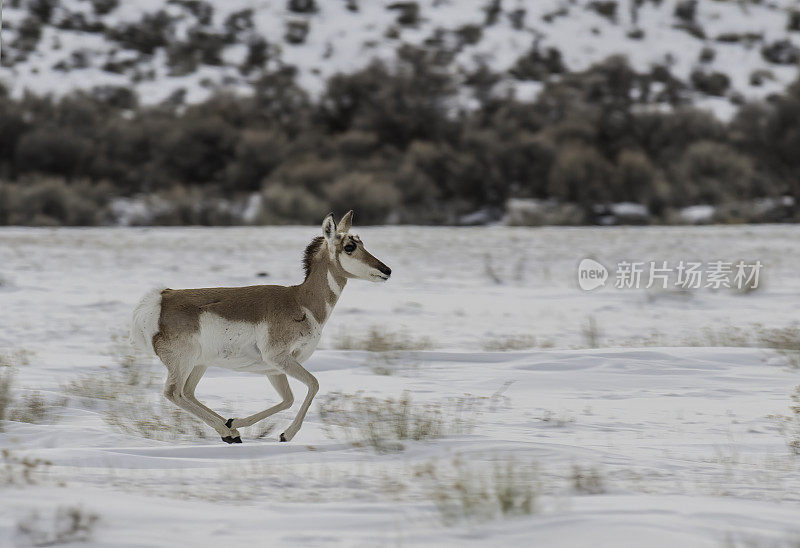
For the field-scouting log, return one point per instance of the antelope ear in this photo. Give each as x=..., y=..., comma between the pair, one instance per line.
x=346, y=222
x=329, y=228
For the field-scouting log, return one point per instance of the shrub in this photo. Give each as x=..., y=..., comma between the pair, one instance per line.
x=607, y=9
x=401, y=105
x=302, y=6
x=537, y=65
x=711, y=83
x=259, y=52
x=665, y=137
x=469, y=34
x=153, y=31
x=306, y=171
x=29, y=32
x=686, y=10
x=296, y=31
x=793, y=24
x=42, y=9
x=580, y=174
x=407, y=12
x=526, y=162
x=711, y=172
x=202, y=11
x=104, y=7
x=781, y=52
x=12, y=127
x=182, y=205
x=372, y=196
x=197, y=149
x=117, y=97
x=52, y=202
x=199, y=47
x=238, y=25
x=257, y=154
x=517, y=18
x=52, y=150
x=635, y=176
x=283, y=203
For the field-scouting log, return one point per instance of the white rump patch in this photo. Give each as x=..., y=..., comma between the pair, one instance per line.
x=144, y=323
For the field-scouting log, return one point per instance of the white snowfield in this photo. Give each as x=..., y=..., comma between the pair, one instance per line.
x=341, y=40
x=679, y=436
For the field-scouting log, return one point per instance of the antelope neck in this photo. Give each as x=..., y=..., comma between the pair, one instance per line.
x=320, y=291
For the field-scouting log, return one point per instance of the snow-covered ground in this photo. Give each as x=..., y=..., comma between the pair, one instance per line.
x=342, y=39
x=679, y=436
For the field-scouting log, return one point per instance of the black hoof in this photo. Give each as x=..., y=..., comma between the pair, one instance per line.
x=228, y=439
x=283, y=438
x=237, y=439
x=229, y=423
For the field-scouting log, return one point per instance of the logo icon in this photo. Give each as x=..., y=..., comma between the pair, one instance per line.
x=591, y=274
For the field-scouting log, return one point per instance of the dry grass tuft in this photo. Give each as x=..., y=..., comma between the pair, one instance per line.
x=728, y=336
x=591, y=333
x=380, y=340
x=557, y=421
x=510, y=342
x=587, y=481
x=136, y=414
x=68, y=524
x=20, y=471
x=101, y=386
x=790, y=424
x=383, y=423
x=6, y=381
x=35, y=409
x=134, y=364
x=786, y=341
x=482, y=492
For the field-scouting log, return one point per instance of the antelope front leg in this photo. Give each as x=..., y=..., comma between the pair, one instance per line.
x=292, y=368
x=281, y=385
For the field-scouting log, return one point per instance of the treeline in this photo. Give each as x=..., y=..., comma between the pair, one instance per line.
x=394, y=144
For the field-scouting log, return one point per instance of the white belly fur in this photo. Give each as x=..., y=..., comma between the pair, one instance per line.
x=232, y=345
x=235, y=345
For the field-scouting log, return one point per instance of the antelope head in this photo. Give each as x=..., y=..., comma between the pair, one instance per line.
x=348, y=252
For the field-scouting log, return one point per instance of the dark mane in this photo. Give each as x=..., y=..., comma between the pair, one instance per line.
x=311, y=250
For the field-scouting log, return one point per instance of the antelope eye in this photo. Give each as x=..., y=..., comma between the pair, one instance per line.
x=349, y=248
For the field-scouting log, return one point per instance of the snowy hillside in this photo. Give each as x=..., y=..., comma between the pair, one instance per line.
x=725, y=50
x=668, y=434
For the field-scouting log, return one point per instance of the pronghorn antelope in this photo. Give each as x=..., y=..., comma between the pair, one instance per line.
x=269, y=329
